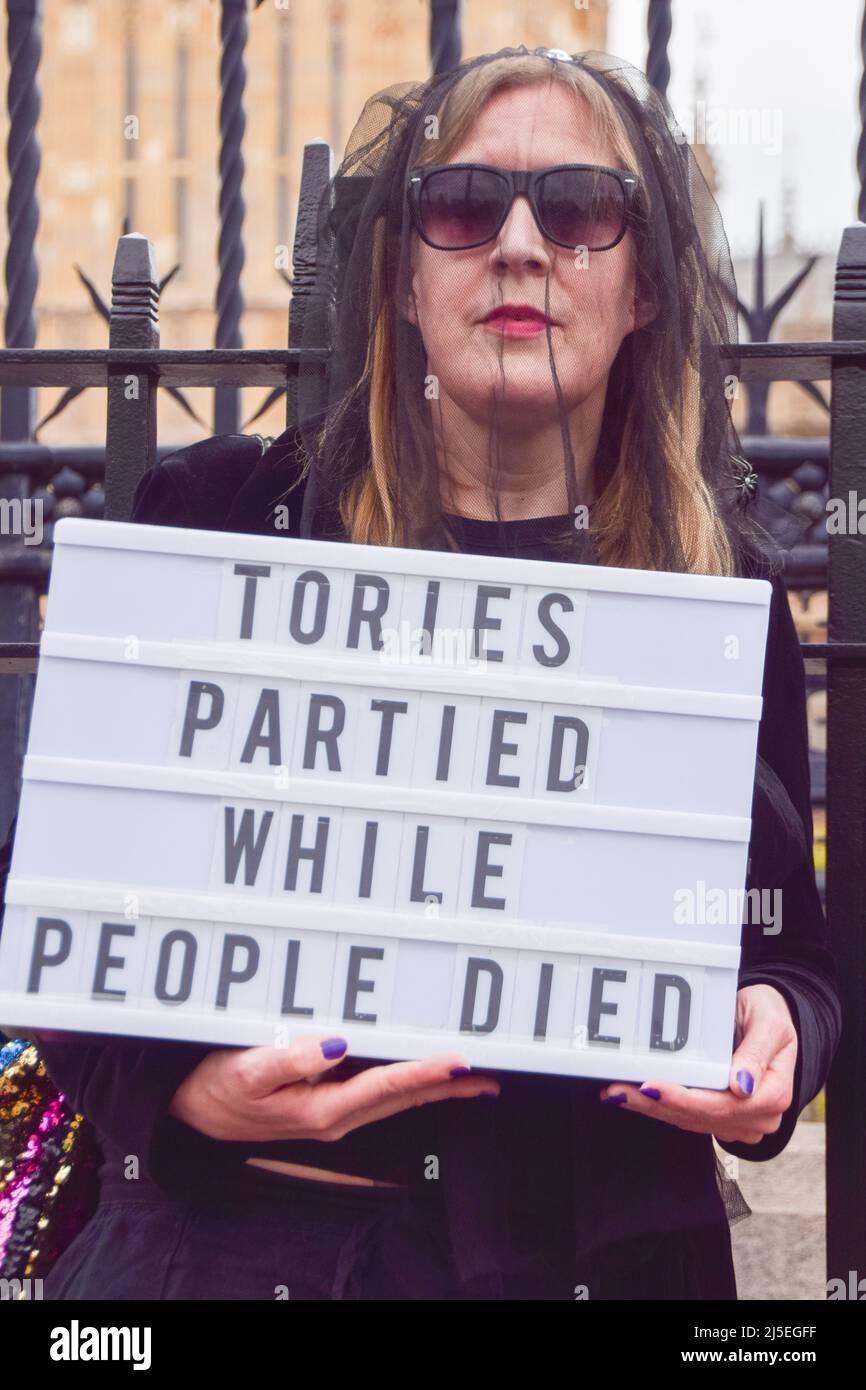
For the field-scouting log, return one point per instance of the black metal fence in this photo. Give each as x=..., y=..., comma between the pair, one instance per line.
x=95, y=482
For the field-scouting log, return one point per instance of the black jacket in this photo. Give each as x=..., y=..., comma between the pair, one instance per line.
x=516, y=1168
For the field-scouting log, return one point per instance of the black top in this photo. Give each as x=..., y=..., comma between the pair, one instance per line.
x=546, y=1158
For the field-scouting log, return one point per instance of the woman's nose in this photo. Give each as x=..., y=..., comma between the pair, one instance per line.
x=520, y=236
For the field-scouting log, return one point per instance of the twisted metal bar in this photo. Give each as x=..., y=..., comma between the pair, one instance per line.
x=659, y=25
x=445, y=36
x=229, y=300
x=24, y=160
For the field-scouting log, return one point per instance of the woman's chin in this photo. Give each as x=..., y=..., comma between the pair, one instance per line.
x=518, y=405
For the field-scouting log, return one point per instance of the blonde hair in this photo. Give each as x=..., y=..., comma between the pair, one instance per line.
x=368, y=506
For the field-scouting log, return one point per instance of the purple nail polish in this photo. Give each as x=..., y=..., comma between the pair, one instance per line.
x=615, y=1100
x=460, y=1071
x=334, y=1047
x=651, y=1092
x=488, y=1093
x=746, y=1081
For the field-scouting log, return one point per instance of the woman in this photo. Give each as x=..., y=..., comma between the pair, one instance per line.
x=525, y=367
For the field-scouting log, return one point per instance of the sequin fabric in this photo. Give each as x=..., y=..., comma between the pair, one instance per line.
x=48, y=1166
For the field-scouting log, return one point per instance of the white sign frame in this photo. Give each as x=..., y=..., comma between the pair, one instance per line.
x=123, y=601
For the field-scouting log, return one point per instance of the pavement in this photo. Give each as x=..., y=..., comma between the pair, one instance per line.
x=779, y=1250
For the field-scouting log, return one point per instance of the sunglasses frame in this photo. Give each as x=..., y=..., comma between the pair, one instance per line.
x=520, y=181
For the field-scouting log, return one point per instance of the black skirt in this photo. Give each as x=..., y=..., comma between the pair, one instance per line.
x=267, y=1236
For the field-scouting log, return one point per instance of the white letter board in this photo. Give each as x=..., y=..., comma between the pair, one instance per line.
x=423, y=800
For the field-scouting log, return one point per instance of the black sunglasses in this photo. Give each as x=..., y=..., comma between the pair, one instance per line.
x=458, y=206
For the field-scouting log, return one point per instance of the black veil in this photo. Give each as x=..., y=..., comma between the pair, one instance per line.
x=387, y=436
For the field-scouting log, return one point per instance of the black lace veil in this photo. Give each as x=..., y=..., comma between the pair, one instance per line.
x=627, y=436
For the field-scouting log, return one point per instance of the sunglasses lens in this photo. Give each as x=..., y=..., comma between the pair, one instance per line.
x=461, y=207
x=582, y=207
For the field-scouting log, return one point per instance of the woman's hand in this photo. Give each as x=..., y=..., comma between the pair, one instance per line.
x=261, y=1093
x=761, y=1085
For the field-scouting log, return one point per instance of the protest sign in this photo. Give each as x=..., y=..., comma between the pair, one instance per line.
x=424, y=800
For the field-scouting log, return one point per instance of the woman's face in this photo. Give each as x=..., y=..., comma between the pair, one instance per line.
x=591, y=296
